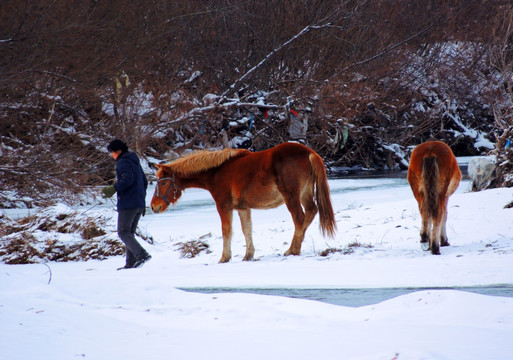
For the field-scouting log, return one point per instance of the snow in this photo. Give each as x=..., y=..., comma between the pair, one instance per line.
x=481, y=140
x=89, y=310
x=400, y=154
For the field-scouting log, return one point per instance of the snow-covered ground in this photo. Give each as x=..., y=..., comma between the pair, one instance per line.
x=89, y=310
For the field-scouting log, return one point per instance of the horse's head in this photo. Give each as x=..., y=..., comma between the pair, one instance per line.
x=167, y=190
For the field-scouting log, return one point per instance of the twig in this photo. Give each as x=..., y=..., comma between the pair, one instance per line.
x=147, y=238
x=50, y=270
x=86, y=210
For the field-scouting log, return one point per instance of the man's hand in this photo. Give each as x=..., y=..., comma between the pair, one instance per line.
x=108, y=191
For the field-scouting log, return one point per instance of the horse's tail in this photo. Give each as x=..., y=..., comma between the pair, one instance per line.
x=322, y=196
x=430, y=176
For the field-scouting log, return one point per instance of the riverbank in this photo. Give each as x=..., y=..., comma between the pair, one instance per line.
x=90, y=310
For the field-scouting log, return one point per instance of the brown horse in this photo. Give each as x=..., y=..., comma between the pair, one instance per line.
x=289, y=173
x=433, y=175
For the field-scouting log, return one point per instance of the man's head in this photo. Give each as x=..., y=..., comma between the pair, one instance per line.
x=116, y=147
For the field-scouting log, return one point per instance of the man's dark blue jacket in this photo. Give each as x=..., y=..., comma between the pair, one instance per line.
x=131, y=182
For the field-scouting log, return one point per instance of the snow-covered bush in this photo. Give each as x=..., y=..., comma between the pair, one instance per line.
x=58, y=234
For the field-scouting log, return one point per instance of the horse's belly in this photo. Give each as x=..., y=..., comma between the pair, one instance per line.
x=271, y=204
x=263, y=198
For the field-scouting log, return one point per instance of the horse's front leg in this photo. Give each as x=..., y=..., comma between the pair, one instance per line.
x=247, y=229
x=226, y=223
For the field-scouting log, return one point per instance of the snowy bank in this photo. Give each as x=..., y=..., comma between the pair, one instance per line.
x=89, y=310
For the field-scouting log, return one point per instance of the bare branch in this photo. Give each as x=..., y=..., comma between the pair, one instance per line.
x=233, y=103
x=271, y=54
x=390, y=48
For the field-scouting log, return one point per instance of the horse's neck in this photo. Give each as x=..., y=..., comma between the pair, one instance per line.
x=199, y=181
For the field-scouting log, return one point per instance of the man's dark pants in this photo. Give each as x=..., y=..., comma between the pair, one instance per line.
x=127, y=225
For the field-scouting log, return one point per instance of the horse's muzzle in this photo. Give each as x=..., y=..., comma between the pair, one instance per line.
x=156, y=209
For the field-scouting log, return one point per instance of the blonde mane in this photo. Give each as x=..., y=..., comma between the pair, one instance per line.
x=203, y=160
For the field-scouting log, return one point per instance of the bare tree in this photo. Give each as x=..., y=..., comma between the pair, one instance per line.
x=501, y=58
x=174, y=74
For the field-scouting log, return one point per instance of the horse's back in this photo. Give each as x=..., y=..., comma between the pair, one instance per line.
x=291, y=159
x=261, y=179
x=248, y=181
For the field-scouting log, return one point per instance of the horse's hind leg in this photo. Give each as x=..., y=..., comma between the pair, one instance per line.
x=298, y=216
x=309, y=206
x=425, y=230
x=453, y=185
x=435, y=237
x=247, y=229
x=302, y=220
x=443, y=232
x=436, y=234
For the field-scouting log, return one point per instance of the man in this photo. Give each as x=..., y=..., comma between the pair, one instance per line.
x=131, y=189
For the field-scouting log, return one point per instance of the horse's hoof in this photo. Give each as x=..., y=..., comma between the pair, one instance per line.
x=224, y=260
x=435, y=251
x=424, y=246
x=289, y=252
x=248, y=256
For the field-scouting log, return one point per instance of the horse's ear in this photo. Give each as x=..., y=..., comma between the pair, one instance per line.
x=156, y=166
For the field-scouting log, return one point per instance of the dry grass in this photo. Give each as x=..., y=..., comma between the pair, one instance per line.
x=348, y=250
x=39, y=238
x=191, y=249
x=19, y=249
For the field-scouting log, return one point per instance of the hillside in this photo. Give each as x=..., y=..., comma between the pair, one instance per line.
x=361, y=82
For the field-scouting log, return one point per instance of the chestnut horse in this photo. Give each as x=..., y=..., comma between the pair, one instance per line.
x=289, y=173
x=433, y=175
